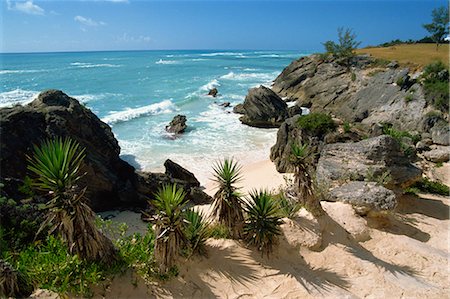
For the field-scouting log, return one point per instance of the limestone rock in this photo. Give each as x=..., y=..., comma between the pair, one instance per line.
x=176, y=172
x=239, y=109
x=440, y=133
x=364, y=196
x=302, y=231
x=177, y=125
x=438, y=154
x=263, y=108
x=362, y=160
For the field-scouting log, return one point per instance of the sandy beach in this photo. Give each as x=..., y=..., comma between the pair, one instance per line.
x=340, y=255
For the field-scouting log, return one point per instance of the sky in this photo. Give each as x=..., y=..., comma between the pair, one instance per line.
x=96, y=25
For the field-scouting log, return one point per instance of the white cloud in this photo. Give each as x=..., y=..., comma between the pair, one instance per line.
x=125, y=38
x=87, y=21
x=27, y=7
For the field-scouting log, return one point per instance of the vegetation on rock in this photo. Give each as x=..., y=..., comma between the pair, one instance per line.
x=316, y=124
x=344, y=49
x=435, y=82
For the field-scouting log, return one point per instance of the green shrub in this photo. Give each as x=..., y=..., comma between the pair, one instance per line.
x=400, y=81
x=425, y=185
x=219, y=231
x=398, y=135
x=409, y=97
x=317, y=124
x=435, y=82
x=347, y=127
x=196, y=231
x=353, y=77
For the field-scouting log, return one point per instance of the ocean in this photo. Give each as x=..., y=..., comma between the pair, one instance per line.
x=138, y=93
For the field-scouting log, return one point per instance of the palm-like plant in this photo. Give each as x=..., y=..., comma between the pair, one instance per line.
x=196, y=231
x=13, y=283
x=57, y=164
x=262, y=225
x=169, y=203
x=227, y=200
x=301, y=156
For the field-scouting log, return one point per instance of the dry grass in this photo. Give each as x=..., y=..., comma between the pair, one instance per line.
x=415, y=56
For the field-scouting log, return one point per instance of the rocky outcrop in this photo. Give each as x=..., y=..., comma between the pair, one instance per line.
x=438, y=154
x=213, y=92
x=176, y=172
x=177, y=125
x=112, y=182
x=362, y=95
x=366, y=160
x=364, y=196
x=239, y=109
x=263, y=108
x=440, y=133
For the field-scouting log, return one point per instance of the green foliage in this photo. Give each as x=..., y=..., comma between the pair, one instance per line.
x=27, y=187
x=56, y=163
x=13, y=284
x=435, y=82
x=317, y=124
x=439, y=27
x=399, y=135
x=262, y=225
x=196, y=231
x=427, y=186
x=347, y=127
x=227, y=201
x=409, y=97
x=400, y=81
x=382, y=179
x=169, y=219
x=353, y=77
x=49, y=266
x=288, y=208
x=219, y=231
x=344, y=49
x=439, y=164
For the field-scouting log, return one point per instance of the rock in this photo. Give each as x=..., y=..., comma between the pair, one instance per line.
x=364, y=196
x=423, y=145
x=225, y=104
x=213, y=92
x=393, y=64
x=294, y=110
x=239, y=109
x=440, y=133
x=176, y=172
x=344, y=214
x=177, y=125
x=198, y=197
x=366, y=160
x=110, y=180
x=263, y=108
x=437, y=155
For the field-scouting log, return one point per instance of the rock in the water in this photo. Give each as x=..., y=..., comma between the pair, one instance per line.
x=239, y=109
x=177, y=125
x=263, y=108
x=225, y=104
x=438, y=154
x=213, y=92
x=175, y=171
x=110, y=180
x=364, y=196
x=366, y=159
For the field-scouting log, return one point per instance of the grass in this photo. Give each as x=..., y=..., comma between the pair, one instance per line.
x=415, y=56
x=427, y=186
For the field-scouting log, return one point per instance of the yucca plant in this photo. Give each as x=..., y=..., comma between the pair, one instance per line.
x=57, y=166
x=196, y=231
x=169, y=203
x=262, y=225
x=227, y=200
x=13, y=283
x=301, y=156
x=288, y=207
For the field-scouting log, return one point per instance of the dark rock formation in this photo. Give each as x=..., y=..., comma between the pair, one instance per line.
x=112, y=182
x=294, y=110
x=213, y=92
x=263, y=108
x=370, y=98
x=225, y=104
x=366, y=160
x=177, y=125
x=364, y=196
x=176, y=172
x=239, y=109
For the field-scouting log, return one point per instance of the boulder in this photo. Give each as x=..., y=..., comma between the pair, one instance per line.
x=176, y=172
x=294, y=110
x=213, y=92
x=366, y=160
x=177, y=125
x=438, y=154
x=440, y=133
x=393, y=64
x=239, y=109
x=225, y=104
x=263, y=108
x=364, y=196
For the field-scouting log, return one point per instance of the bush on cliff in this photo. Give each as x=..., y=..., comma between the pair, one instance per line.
x=344, y=49
x=436, y=86
x=316, y=124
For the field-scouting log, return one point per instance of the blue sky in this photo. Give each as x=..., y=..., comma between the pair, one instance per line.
x=43, y=26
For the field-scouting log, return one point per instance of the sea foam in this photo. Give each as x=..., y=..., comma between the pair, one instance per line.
x=93, y=65
x=161, y=61
x=165, y=106
x=17, y=96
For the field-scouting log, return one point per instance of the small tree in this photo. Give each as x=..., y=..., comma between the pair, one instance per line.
x=344, y=50
x=439, y=27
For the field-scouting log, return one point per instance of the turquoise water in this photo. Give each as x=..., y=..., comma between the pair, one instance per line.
x=138, y=92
